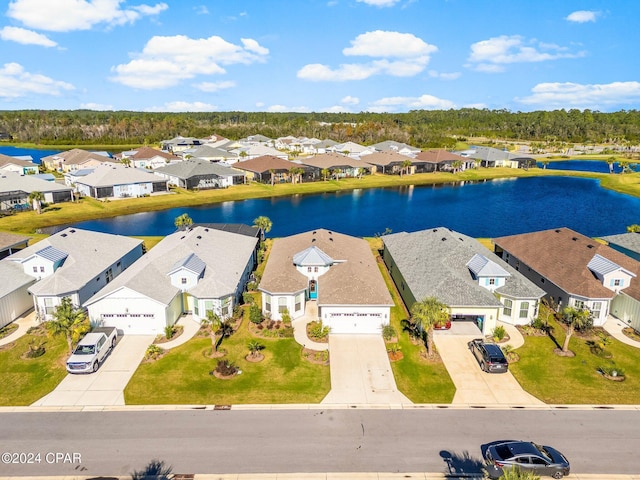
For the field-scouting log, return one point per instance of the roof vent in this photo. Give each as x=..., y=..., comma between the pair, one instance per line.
x=331, y=239
x=63, y=235
x=72, y=231
x=314, y=232
x=182, y=237
x=199, y=237
x=557, y=231
x=206, y=229
x=330, y=233
x=575, y=239
x=444, y=239
x=435, y=230
x=313, y=240
x=589, y=246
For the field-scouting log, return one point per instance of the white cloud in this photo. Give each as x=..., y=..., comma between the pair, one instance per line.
x=493, y=54
x=259, y=104
x=16, y=82
x=25, y=37
x=68, y=15
x=582, y=16
x=284, y=108
x=379, y=3
x=397, y=54
x=336, y=109
x=201, y=10
x=179, y=106
x=214, y=86
x=443, y=75
x=349, y=100
x=479, y=106
x=576, y=95
x=426, y=102
x=166, y=61
x=96, y=106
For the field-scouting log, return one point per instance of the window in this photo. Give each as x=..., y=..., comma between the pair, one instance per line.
x=492, y=281
x=183, y=280
x=309, y=269
x=508, y=306
x=109, y=275
x=48, y=306
x=315, y=269
x=579, y=304
x=41, y=269
x=524, y=309
x=267, y=303
x=617, y=282
x=196, y=310
x=298, y=306
x=596, y=309
x=282, y=304
x=35, y=269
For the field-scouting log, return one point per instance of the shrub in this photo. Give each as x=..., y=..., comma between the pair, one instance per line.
x=286, y=317
x=169, y=331
x=539, y=323
x=317, y=330
x=36, y=349
x=226, y=368
x=388, y=332
x=255, y=314
x=393, y=348
x=247, y=298
x=612, y=370
x=499, y=333
x=153, y=352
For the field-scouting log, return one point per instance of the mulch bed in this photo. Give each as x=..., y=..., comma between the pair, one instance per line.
x=531, y=332
x=222, y=377
x=560, y=353
x=617, y=378
x=258, y=357
x=631, y=333
x=160, y=339
x=313, y=356
x=8, y=330
x=394, y=357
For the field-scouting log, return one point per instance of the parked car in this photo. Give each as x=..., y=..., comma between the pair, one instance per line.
x=92, y=350
x=489, y=356
x=528, y=457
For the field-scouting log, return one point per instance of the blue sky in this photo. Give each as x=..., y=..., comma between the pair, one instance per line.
x=319, y=55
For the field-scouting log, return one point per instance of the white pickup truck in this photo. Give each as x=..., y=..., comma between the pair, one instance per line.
x=92, y=350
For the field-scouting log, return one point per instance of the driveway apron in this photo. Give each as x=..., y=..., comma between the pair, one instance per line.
x=473, y=386
x=106, y=386
x=360, y=372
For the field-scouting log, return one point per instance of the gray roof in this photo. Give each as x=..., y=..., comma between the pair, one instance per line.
x=240, y=228
x=107, y=175
x=192, y=263
x=194, y=167
x=8, y=240
x=13, y=278
x=225, y=255
x=12, y=181
x=392, y=145
x=490, y=154
x=88, y=255
x=207, y=151
x=354, y=279
x=629, y=241
x=434, y=263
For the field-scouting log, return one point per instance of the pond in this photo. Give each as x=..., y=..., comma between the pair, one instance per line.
x=597, y=166
x=35, y=153
x=485, y=209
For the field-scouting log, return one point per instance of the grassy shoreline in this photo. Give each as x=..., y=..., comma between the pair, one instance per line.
x=90, y=209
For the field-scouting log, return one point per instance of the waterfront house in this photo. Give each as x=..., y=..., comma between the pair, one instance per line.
x=442, y=161
x=493, y=157
x=146, y=157
x=627, y=243
x=338, y=165
x=269, y=169
x=335, y=273
x=211, y=154
x=390, y=162
x=351, y=149
x=11, y=243
x=15, y=190
x=460, y=272
x=577, y=271
x=118, y=181
x=73, y=263
x=192, y=271
x=15, y=299
x=251, y=151
x=75, y=159
x=200, y=174
x=177, y=144
x=12, y=164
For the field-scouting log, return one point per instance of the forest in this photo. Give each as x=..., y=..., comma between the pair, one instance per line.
x=420, y=128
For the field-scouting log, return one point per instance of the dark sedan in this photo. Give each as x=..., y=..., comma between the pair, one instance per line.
x=526, y=456
x=489, y=356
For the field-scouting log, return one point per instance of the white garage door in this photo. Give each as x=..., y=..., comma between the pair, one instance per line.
x=133, y=324
x=353, y=322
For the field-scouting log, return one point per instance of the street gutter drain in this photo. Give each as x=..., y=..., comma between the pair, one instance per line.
x=222, y=407
x=184, y=476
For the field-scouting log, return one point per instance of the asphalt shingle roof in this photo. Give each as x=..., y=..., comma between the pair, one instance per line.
x=194, y=167
x=630, y=241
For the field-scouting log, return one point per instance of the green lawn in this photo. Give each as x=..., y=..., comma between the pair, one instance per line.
x=25, y=380
x=575, y=380
x=182, y=375
x=420, y=380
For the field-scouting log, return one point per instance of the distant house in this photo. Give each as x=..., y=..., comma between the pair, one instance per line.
x=324, y=146
x=338, y=165
x=75, y=159
x=15, y=190
x=493, y=157
x=627, y=243
x=390, y=162
x=351, y=149
x=179, y=143
x=336, y=273
x=476, y=285
x=74, y=263
x=23, y=167
x=268, y=169
x=211, y=154
x=196, y=271
x=11, y=243
x=577, y=271
x=442, y=161
x=397, y=147
x=118, y=181
x=146, y=157
x=251, y=151
x=200, y=174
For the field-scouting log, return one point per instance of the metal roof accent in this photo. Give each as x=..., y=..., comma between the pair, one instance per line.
x=52, y=254
x=191, y=262
x=312, y=256
x=601, y=266
x=481, y=266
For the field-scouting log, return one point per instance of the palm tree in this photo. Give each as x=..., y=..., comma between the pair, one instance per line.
x=254, y=347
x=575, y=318
x=215, y=323
x=456, y=164
x=36, y=198
x=183, y=221
x=68, y=320
x=264, y=224
x=610, y=162
x=477, y=162
x=126, y=162
x=405, y=166
x=635, y=228
x=273, y=178
x=325, y=173
x=425, y=315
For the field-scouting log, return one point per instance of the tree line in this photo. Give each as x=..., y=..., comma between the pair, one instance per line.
x=421, y=128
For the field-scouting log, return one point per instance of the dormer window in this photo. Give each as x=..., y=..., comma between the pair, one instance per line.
x=492, y=281
x=183, y=280
x=617, y=282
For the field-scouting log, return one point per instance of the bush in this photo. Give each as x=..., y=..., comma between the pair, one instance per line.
x=226, y=368
x=255, y=314
x=153, y=352
x=286, y=318
x=499, y=333
x=317, y=330
x=388, y=332
x=247, y=298
x=611, y=370
x=36, y=349
x=169, y=331
x=539, y=324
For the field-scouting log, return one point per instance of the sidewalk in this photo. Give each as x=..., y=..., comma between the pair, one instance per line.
x=614, y=327
x=190, y=328
x=25, y=322
x=300, y=328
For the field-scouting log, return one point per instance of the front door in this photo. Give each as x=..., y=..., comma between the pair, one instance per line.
x=313, y=289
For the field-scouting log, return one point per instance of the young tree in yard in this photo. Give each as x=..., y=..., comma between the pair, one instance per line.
x=183, y=221
x=36, y=198
x=325, y=172
x=214, y=323
x=576, y=319
x=405, y=167
x=457, y=165
x=425, y=315
x=70, y=321
x=254, y=347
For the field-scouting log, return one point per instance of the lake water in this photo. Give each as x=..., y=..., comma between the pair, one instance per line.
x=486, y=209
x=35, y=153
x=597, y=166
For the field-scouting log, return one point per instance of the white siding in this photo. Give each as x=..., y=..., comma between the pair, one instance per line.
x=14, y=304
x=627, y=309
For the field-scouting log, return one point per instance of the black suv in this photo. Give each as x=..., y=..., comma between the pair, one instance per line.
x=489, y=356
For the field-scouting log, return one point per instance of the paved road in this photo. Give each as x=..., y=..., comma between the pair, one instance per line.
x=311, y=440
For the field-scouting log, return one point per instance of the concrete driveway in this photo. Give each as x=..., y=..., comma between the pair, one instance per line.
x=360, y=372
x=473, y=386
x=106, y=386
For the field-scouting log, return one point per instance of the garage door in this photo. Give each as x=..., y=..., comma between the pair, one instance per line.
x=133, y=324
x=353, y=322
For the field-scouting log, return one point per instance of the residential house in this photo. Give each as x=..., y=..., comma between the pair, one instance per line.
x=211, y=154
x=627, y=243
x=442, y=161
x=15, y=190
x=336, y=272
x=200, y=174
x=352, y=149
x=146, y=157
x=11, y=243
x=179, y=144
x=390, y=162
x=460, y=272
x=493, y=157
x=248, y=152
x=324, y=146
x=398, y=147
x=12, y=164
x=577, y=271
x=197, y=271
x=15, y=299
x=75, y=159
x=338, y=165
x=269, y=169
x=74, y=263
x=117, y=181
